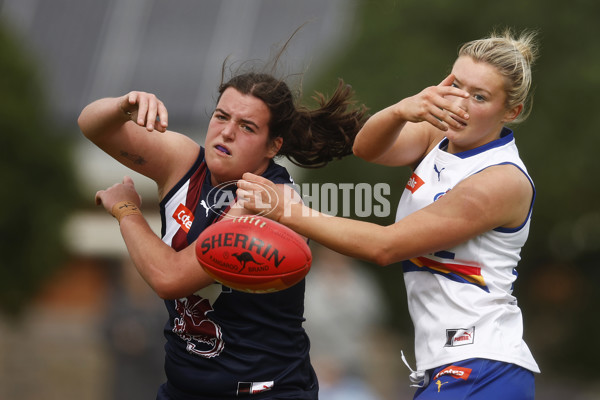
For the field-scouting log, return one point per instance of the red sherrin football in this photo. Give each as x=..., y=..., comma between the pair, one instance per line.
x=253, y=254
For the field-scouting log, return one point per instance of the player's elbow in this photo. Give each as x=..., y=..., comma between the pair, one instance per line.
x=81, y=122
x=166, y=290
x=176, y=287
x=84, y=126
x=385, y=252
x=84, y=119
x=90, y=125
x=166, y=286
x=166, y=294
x=382, y=259
x=359, y=152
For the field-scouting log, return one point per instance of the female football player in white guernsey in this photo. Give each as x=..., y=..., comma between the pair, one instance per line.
x=221, y=343
x=461, y=222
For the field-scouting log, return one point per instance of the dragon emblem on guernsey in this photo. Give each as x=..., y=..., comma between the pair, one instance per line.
x=202, y=335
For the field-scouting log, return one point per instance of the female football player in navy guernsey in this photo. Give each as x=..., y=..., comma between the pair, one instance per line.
x=461, y=221
x=221, y=343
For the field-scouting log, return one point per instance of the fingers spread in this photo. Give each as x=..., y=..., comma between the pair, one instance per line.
x=437, y=122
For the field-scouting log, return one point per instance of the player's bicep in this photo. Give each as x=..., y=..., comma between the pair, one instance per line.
x=499, y=196
x=160, y=156
x=474, y=206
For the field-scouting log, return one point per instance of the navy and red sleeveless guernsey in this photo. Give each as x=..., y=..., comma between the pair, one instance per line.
x=222, y=343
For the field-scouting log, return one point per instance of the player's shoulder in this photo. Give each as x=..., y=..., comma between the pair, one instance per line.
x=501, y=179
x=181, y=156
x=503, y=188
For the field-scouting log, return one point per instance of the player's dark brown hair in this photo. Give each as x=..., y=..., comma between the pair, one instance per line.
x=311, y=137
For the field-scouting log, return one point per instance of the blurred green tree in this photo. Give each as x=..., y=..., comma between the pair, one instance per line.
x=39, y=189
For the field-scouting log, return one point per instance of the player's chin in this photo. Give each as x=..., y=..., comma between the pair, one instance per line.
x=223, y=169
x=454, y=134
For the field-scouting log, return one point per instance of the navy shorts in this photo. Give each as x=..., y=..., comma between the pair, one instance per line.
x=478, y=379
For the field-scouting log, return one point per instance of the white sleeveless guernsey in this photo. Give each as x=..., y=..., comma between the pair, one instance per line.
x=460, y=300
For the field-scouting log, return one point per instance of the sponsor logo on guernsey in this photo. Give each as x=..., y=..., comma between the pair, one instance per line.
x=184, y=217
x=438, y=171
x=460, y=337
x=440, y=195
x=249, y=388
x=455, y=372
x=414, y=183
x=206, y=207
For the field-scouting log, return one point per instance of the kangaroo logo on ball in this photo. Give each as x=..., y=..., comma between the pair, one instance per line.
x=243, y=258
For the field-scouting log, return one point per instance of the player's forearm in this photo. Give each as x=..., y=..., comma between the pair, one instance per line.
x=378, y=134
x=101, y=117
x=165, y=270
x=353, y=238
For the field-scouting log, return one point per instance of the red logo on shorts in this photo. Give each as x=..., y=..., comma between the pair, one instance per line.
x=184, y=217
x=455, y=372
x=414, y=183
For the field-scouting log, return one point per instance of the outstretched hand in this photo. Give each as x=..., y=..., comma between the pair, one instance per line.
x=263, y=197
x=124, y=191
x=433, y=105
x=146, y=110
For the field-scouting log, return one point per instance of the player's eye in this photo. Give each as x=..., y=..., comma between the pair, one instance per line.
x=247, y=128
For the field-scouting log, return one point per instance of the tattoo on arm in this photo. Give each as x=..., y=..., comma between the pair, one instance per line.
x=136, y=158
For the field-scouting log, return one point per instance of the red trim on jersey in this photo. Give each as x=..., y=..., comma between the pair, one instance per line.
x=180, y=241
